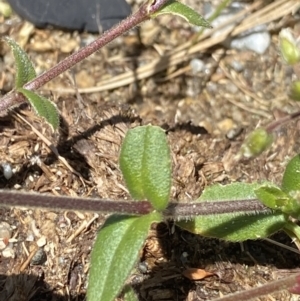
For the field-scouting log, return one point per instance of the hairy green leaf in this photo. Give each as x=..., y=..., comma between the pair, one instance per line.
x=43, y=107
x=234, y=191
x=115, y=253
x=256, y=143
x=276, y=198
x=293, y=230
x=290, y=51
x=146, y=165
x=291, y=176
x=273, y=197
x=25, y=70
x=235, y=226
x=177, y=8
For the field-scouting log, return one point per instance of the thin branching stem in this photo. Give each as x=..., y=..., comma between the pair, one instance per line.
x=174, y=210
x=268, y=288
x=144, y=13
x=271, y=127
x=46, y=201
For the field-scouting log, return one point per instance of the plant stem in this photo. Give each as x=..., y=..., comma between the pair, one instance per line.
x=292, y=229
x=178, y=211
x=183, y=210
x=10, y=100
x=144, y=13
x=111, y=34
x=268, y=288
x=46, y=201
x=272, y=126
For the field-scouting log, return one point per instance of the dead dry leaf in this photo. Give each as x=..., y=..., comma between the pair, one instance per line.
x=196, y=274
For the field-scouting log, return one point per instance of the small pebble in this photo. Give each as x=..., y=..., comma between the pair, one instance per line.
x=39, y=257
x=143, y=267
x=184, y=258
x=256, y=39
x=5, y=234
x=232, y=88
x=41, y=241
x=225, y=125
x=7, y=170
x=5, y=230
x=61, y=260
x=237, y=66
x=136, y=279
x=30, y=237
x=197, y=65
x=8, y=253
x=3, y=244
x=233, y=133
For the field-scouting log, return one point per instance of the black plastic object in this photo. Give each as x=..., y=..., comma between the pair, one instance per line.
x=82, y=15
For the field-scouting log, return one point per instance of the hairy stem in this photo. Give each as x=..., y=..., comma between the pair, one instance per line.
x=45, y=201
x=10, y=100
x=144, y=13
x=178, y=211
x=268, y=288
x=271, y=127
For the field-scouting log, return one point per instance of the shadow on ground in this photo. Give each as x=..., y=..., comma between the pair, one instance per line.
x=30, y=288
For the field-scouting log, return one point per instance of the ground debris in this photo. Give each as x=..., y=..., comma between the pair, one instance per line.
x=199, y=113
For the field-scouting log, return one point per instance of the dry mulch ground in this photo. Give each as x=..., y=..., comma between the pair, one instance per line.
x=206, y=115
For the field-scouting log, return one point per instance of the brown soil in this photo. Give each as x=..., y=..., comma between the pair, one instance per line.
x=206, y=116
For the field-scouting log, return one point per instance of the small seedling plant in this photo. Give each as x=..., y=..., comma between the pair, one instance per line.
x=226, y=212
x=234, y=212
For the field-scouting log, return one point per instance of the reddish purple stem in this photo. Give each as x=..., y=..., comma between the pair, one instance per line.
x=144, y=13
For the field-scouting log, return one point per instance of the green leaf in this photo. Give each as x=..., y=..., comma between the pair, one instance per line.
x=275, y=198
x=295, y=90
x=291, y=186
x=291, y=176
x=256, y=142
x=146, y=165
x=5, y=9
x=129, y=294
x=174, y=7
x=292, y=229
x=290, y=51
x=115, y=253
x=234, y=191
x=25, y=70
x=272, y=196
x=235, y=226
x=43, y=107
x=293, y=205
